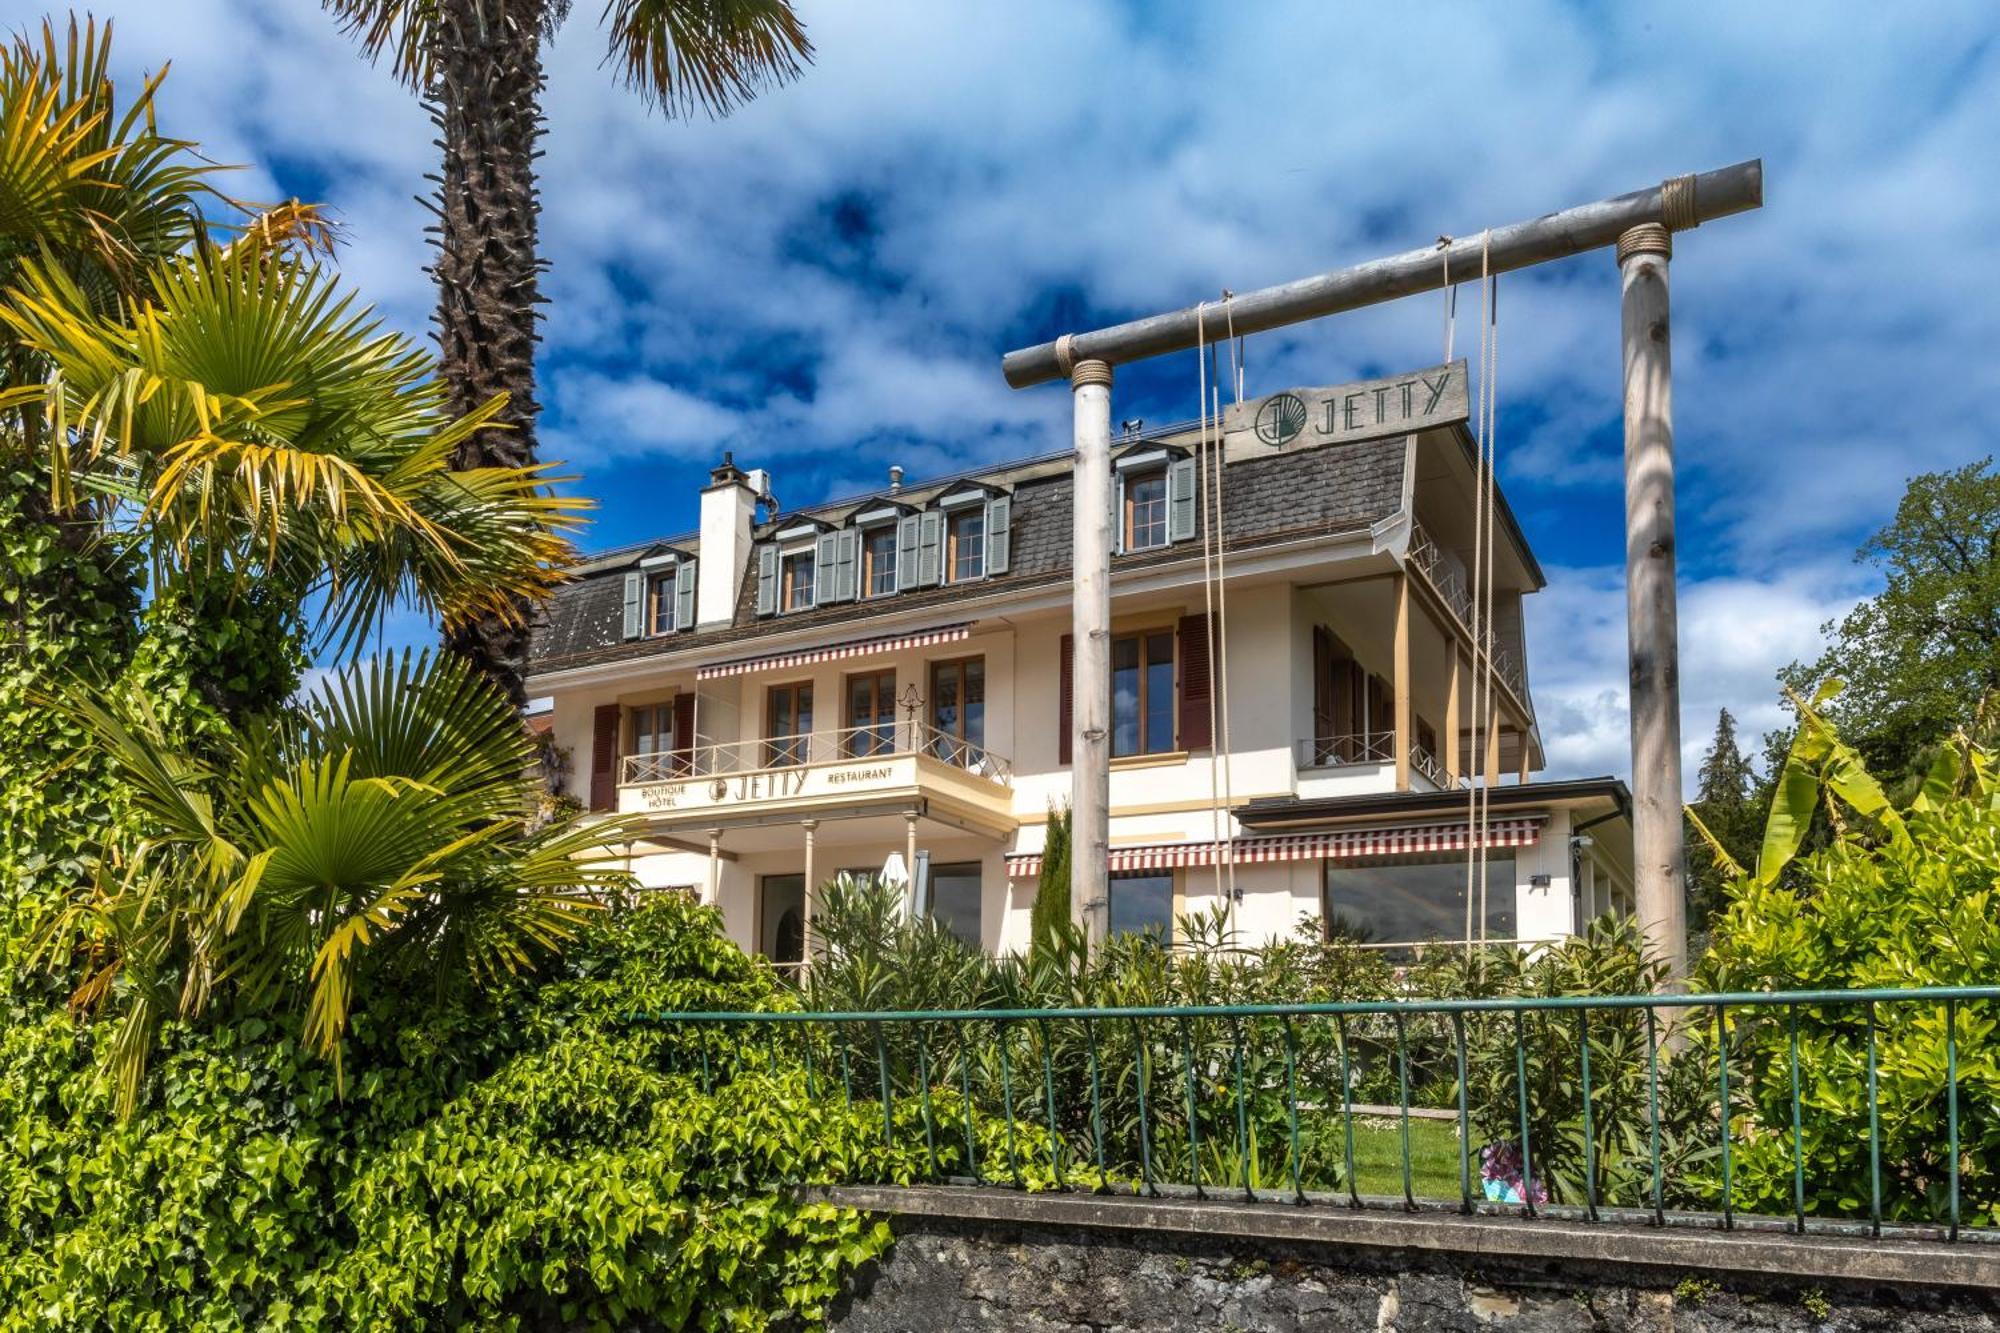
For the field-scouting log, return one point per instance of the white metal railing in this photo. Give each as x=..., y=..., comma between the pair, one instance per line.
x=1336, y=751
x=1428, y=764
x=1448, y=578
x=884, y=740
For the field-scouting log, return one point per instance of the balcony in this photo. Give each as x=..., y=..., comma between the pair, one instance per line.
x=1373, y=753
x=892, y=767
x=1447, y=579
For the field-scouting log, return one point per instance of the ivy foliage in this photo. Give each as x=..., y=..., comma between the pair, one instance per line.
x=539, y=1160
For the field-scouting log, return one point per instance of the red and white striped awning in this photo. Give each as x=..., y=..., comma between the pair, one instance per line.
x=834, y=652
x=1332, y=844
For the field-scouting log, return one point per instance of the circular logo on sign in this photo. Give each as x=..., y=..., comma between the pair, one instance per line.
x=1280, y=419
x=718, y=789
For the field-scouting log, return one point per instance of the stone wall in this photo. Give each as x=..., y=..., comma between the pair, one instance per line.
x=961, y=1274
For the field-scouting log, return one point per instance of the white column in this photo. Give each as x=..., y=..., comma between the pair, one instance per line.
x=1090, y=631
x=910, y=857
x=811, y=826
x=714, y=868
x=1652, y=617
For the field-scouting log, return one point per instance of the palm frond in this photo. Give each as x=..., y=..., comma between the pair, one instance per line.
x=707, y=56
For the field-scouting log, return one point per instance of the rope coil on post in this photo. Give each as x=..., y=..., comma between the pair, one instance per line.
x=1677, y=206
x=1648, y=238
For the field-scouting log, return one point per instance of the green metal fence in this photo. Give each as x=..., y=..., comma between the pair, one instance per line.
x=1815, y=1110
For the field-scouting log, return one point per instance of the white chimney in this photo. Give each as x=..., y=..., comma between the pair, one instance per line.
x=728, y=510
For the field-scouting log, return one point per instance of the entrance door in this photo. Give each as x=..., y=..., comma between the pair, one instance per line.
x=781, y=918
x=871, y=713
x=958, y=711
x=788, y=722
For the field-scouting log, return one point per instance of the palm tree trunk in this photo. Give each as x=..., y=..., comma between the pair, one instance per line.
x=487, y=104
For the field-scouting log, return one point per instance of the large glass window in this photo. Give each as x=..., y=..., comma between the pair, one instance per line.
x=878, y=558
x=1145, y=516
x=796, y=590
x=781, y=918
x=965, y=545
x=653, y=729
x=788, y=722
x=871, y=713
x=1143, y=904
x=955, y=899
x=661, y=614
x=1414, y=899
x=958, y=710
x=1142, y=693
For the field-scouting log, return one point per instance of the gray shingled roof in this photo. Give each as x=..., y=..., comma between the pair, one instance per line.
x=1340, y=488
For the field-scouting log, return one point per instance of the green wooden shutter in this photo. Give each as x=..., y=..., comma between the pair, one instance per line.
x=999, y=534
x=767, y=579
x=826, y=569
x=930, y=548
x=908, y=533
x=684, y=580
x=1180, y=500
x=635, y=603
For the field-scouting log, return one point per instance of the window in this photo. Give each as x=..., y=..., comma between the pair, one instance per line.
x=878, y=558
x=1142, y=693
x=1143, y=904
x=871, y=713
x=796, y=590
x=965, y=545
x=653, y=729
x=1412, y=899
x=1145, y=517
x=955, y=899
x=958, y=710
x=788, y=723
x=660, y=609
x=781, y=918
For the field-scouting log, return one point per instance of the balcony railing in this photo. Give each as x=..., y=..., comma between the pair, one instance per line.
x=1338, y=751
x=1428, y=764
x=881, y=740
x=1448, y=578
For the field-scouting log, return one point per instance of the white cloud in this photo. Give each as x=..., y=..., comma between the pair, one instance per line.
x=1008, y=168
x=1734, y=635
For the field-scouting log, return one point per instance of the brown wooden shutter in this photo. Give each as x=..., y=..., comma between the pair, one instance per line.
x=683, y=733
x=1197, y=733
x=604, y=756
x=1065, y=697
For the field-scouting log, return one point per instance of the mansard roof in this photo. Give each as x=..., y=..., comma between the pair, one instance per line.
x=1266, y=501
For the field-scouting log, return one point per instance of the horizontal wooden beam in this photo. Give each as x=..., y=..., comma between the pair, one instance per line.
x=1573, y=231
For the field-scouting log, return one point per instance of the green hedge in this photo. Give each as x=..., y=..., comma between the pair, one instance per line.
x=535, y=1162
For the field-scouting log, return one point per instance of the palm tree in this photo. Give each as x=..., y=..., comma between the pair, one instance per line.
x=479, y=65
x=225, y=408
x=386, y=824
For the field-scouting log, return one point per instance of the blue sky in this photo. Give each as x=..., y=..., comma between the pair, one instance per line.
x=825, y=282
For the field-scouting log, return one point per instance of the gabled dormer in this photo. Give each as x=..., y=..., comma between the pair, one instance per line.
x=1155, y=498
x=660, y=592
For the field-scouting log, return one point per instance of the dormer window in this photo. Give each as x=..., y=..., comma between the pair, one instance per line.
x=796, y=581
x=659, y=595
x=878, y=561
x=1145, y=516
x=965, y=545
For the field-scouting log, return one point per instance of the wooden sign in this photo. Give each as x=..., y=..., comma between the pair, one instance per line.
x=1346, y=413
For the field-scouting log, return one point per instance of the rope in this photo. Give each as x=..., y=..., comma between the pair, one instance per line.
x=1450, y=300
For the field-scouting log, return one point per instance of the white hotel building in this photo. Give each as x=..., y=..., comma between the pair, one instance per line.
x=788, y=694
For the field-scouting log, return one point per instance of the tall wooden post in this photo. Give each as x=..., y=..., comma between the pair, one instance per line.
x=1090, y=633
x=1650, y=611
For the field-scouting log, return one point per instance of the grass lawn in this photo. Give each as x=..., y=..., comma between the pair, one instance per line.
x=1378, y=1157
